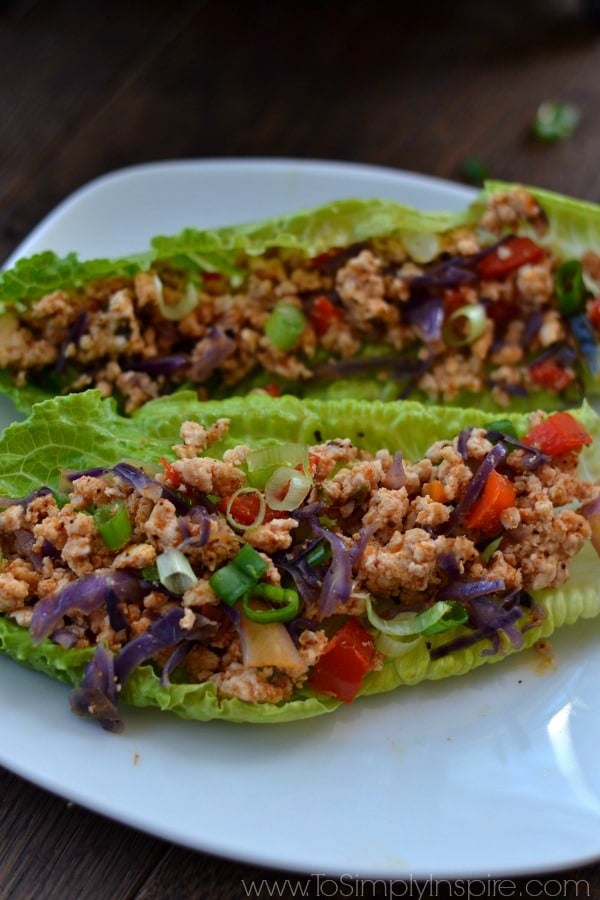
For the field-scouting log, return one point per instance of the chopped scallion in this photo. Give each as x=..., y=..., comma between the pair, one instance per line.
x=174, y=571
x=233, y=580
x=286, y=600
x=465, y=325
x=570, y=287
x=113, y=525
x=285, y=325
x=555, y=121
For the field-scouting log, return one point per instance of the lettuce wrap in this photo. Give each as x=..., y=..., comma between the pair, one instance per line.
x=495, y=305
x=173, y=601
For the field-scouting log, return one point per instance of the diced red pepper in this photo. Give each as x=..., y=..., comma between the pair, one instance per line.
x=244, y=509
x=322, y=258
x=498, y=494
x=272, y=389
x=502, y=312
x=324, y=314
x=453, y=300
x=349, y=655
x=508, y=256
x=551, y=376
x=560, y=433
x=594, y=314
x=172, y=476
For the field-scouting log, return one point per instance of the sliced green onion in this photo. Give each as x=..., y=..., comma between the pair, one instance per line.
x=427, y=622
x=474, y=170
x=260, y=514
x=150, y=573
x=249, y=561
x=261, y=464
x=233, y=580
x=285, y=325
x=465, y=325
x=174, y=571
x=113, y=525
x=176, y=311
x=503, y=425
x=491, y=548
x=555, y=121
x=570, y=287
x=320, y=553
x=287, y=601
x=287, y=488
x=421, y=246
x=230, y=583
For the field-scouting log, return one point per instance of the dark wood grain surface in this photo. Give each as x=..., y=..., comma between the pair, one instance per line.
x=88, y=87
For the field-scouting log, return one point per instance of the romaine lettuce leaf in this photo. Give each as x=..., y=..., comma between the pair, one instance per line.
x=573, y=225
x=83, y=429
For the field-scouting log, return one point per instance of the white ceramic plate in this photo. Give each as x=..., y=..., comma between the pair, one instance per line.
x=492, y=774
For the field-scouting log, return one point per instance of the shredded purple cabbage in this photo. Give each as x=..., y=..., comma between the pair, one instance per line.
x=160, y=365
x=197, y=515
x=491, y=461
x=397, y=365
x=84, y=595
x=468, y=590
x=96, y=697
x=337, y=583
x=210, y=353
x=488, y=618
x=306, y=577
x=395, y=477
x=76, y=332
x=165, y=633
x=427, y=316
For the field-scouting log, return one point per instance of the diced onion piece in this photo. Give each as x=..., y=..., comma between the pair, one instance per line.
x=260, y=513
x=269, y=645
x=422, y=247
x=287, y=488
x=176, y=311
x=174, y=571
x=465, y=325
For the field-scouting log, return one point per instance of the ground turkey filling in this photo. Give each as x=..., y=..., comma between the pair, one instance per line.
x=372, y=302
x=396, y=527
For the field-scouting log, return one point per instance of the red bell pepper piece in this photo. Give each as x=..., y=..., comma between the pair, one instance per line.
x=551, y=376
x=348, y=657
x=498, y=494
x=323, y=315
x=560, y=433
x=508, y=256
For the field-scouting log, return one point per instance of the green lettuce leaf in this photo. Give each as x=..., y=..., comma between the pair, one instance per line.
x=83, y=430
x=573, y=225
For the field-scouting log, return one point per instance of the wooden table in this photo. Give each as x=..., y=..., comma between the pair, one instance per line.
x=93, y=86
